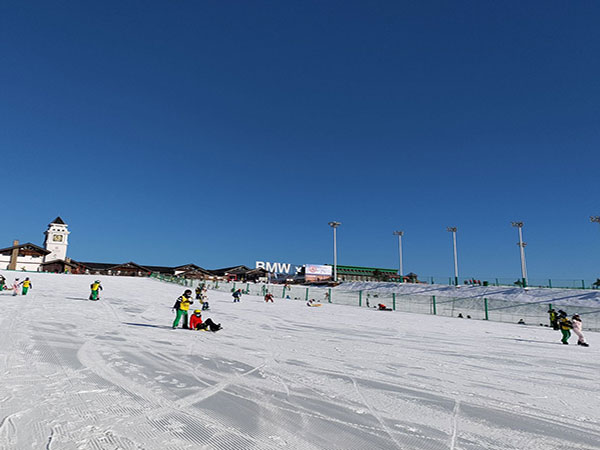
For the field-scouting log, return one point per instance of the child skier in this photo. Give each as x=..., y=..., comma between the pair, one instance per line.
x=95, y=287
x=565, y=327
x=15, y=287
x=197, y=324
x=26, y=286
x=198, y=293
x=204, y=301
x=182, y=306
x=237, y=295
x=576, y=321
x=269, y=297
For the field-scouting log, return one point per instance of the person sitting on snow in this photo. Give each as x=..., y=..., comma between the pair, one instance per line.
x=197, y=324
x=382, y=307
x=181, y=307
x=312, y=302
x=269, y=297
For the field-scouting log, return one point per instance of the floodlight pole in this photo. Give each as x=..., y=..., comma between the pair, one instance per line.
x=334, y=225
x=453, y=231
x=521, y=245
x=400, y=271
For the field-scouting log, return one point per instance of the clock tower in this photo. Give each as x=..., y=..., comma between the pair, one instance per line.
x=57, y=240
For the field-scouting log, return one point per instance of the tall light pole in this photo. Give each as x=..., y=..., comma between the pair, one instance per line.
x=400, y=271
x=334, y=225
x=521, y=245
x=453, y=231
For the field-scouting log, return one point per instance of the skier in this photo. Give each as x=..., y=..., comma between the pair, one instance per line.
x=269, y=297
x=2, y=283
x=15, y=287
x=565, y=326
x=181, y=307
x=204, y=301
x=553, y=318
x=237, y=295
x=576, y=321
x=95, y=287
x=197, y=324
x=26, y=286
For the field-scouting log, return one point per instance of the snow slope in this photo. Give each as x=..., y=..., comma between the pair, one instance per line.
x=112, y=374
x=562, y=297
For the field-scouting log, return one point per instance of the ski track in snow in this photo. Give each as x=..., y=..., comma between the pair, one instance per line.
x=106, y=375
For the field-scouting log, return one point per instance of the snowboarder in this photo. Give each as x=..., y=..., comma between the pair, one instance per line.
x=237, y=295
x=382, y=307
x=95, y=288
x=15, y=287
x=197, y=324
x=553, y=318
x=269, y=297
x=26, y=286
x=181, y=307
x=576, y=322
x=312, y=302
x=565, y=327
x=198, y=293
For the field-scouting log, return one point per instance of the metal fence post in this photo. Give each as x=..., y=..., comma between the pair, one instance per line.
x=394, y=301
x=329, y=295
x=582, y=284
x=283, y=295
x=485, y=305
x=359, y=298
x=306, y=294
x=549, y=282
x=434, y=307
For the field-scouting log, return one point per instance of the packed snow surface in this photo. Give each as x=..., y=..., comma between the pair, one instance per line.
x=112, y=374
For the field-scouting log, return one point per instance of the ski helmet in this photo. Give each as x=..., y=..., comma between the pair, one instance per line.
x=197, y=311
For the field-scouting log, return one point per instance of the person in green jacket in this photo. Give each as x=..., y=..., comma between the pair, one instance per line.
x=181, y=307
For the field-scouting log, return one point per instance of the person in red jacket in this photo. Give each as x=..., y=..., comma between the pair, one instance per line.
x=269, y=297
x=197, y=324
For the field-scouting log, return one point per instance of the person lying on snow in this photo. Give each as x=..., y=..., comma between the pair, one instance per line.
x=197, y=324
x=382, y=307
x=312, y=302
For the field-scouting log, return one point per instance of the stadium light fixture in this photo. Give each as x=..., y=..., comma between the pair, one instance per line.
x=334, y=225
x=453, y=231
x=521, y=244
x=400, y=271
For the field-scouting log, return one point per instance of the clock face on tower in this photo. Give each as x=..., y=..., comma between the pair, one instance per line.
x=57, y=238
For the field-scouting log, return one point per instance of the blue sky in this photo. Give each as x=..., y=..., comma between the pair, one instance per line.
x=228, y=132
